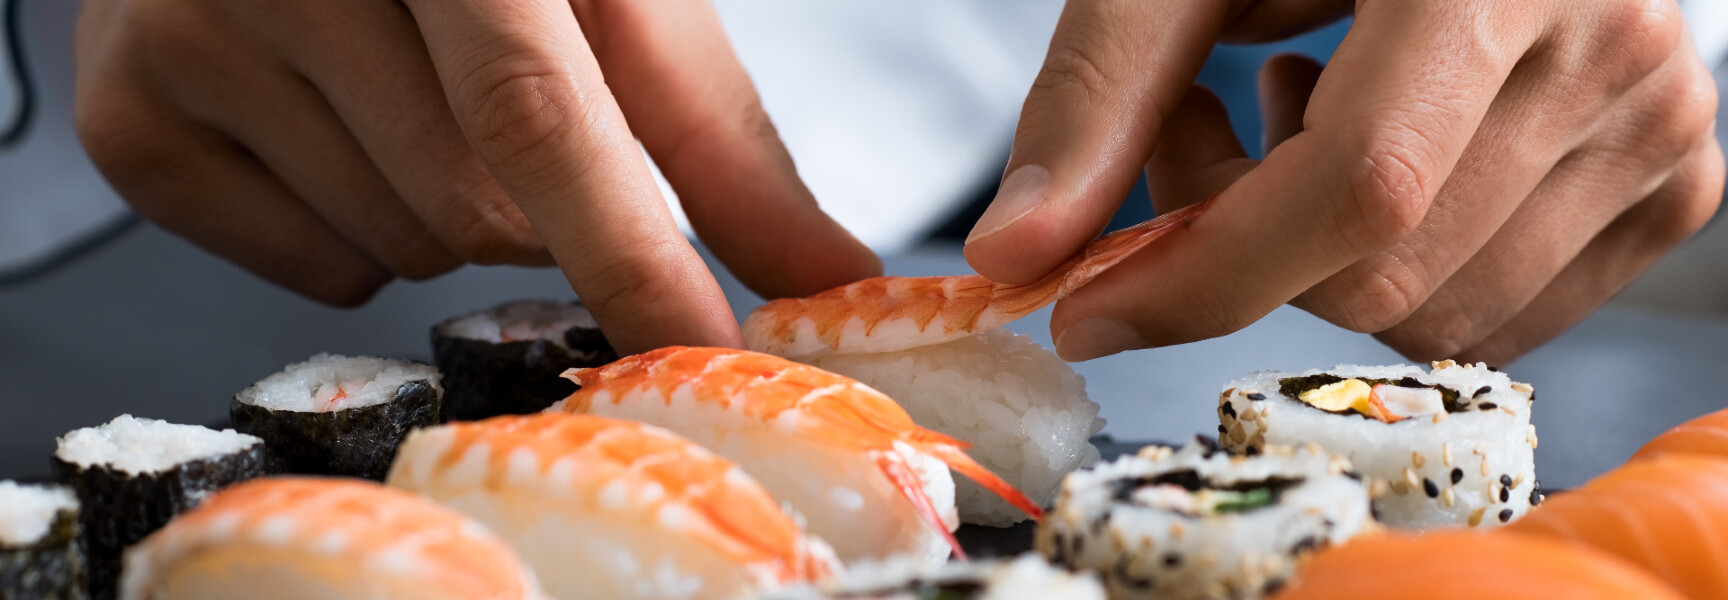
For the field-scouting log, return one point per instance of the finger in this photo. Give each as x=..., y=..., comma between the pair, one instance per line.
x=1627, y=248
x=1115, y=71
x=201, y=185
x=1285, y=83
x=689, y=100
x=1262, y=22
x=1635, y=147
x=1198, y=154
x=370, y=62
x=531, y=100
x=1387, y=122
x=288, y=126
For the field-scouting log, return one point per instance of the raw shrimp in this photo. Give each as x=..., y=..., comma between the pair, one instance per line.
x=884, y=314
x=1707, y=435
x=605, y=508
x=284, y=538
x=843, y=454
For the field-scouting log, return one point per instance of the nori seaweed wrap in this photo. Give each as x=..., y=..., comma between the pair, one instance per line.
x=338, y=415
x=40, y=556
x=132, y=476
x=507, y=359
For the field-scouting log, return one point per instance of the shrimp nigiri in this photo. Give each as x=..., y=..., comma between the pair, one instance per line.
x=1454, y=565
x=604, y=508
x=884, y=314
x=1704, y=435
x=844, y=455
x=1668, y=514
x=291, y=538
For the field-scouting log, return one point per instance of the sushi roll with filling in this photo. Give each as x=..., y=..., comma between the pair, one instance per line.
x=292, y=538
x=507, y=359
x=1027, y=577
x=1453, y=446
x=1024, y=410
x=40, y=556
x=133, y=475
x=604, y=508
x=1200, y=523
x=338, y=415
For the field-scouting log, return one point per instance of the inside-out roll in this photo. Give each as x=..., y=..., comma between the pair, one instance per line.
x=40, y=555
x=133, y=475
x=338, y=415
x=1450, y=446
x=1200, y=523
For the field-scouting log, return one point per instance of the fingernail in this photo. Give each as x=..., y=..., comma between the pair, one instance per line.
x=1020, y=193
x=1093, y=337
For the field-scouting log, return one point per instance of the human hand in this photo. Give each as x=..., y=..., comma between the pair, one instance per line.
x=1465, y=179
x=332, y=145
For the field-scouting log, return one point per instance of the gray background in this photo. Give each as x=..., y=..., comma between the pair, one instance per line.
x=153, y=326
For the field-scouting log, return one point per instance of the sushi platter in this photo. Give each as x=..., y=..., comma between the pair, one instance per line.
x=853, y=452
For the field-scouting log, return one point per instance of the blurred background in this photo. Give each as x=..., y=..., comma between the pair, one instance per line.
x=899, y=114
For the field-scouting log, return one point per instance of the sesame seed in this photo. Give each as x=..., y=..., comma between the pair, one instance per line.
x=1222, y=429
x=1238, y=434
x=1410, y=478
x=1489, y=492
x=1399, y=487
x=1487, y=406
x=1518, y=482
x=1524, y=388
x=1377, y=488
x=1457, y=475
x=1227, y=409
x=1448, y=497
x=1492, y=368
x=1482, y=390
x=1508, y=410
x=1506, y=480
x=1439, y=416
x=1176, y=531
x=1476, y=515
x=1416, y=459
x=1446, y=454
x=1484, y=466
x=1312, y=448
x=1227, y=393
x=1256, y=396
x=1505, y=515
x=1505, y=494
x=1429, y=488
x=1445, y=364
x=1536, y=495
x=1250, y=415
x=1172, y=560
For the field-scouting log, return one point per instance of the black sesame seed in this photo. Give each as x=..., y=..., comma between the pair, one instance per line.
x=1505, y=515
x=1273, y=586
x=1506, y=480
x=1505, y=493
x=1227, y=409
x=1482, y=390
x=1252, y=451
x=1353, y=475
x=1256, y=396
x=1223, y=429
x=1535, y=496
x=1457, y=475
x=1493, y=368
x=1210, y=444
x=1172, y=560
x=1428, y=487
x=1487, y=406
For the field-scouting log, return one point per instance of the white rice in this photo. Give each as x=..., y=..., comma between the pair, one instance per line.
x=138, y=446
x=1434, y=470
x=1024, y=411
x=1027, y=577
x=522, y=320
x=27, y=511
x=330, y=382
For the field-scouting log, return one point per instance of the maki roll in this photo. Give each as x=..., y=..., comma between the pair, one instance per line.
x=338, y=415
x=1200, y=523
x=604, y=508
x=1024, y=411
x=39, y=550
x=1027, y=577
x=290, y=538
x=507, y=359
x=132, y=476
x=1453, y=446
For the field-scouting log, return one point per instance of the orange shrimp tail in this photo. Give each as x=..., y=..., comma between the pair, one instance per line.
x=902, y=476
x=1096, y=258
x=959, y=461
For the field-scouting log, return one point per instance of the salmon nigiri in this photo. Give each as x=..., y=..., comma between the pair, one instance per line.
x=869, y=481
x=336, y=539
x=1704, y=435
x=604, y=508
x=1668, y=514
x=1470, y=565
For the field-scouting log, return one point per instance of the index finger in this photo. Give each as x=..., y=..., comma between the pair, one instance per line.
x=529, y=96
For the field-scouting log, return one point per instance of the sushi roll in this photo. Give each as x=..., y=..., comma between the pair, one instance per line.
x=603, y=508
x=507, y=359
x=1200, y=523
x=40, y=556
x=132, y=475
x=338, y=415
x=1027, y=577
x=1453, y=446
x=292, y=538
x=1024, y=411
